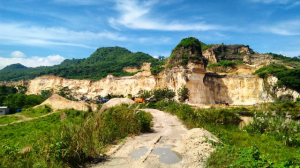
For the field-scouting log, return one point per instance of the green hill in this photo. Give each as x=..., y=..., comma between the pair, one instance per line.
x=14, y=66
x=104, y=61
x=188, y=50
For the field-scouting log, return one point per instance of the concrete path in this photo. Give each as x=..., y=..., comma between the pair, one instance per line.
x=154, y=149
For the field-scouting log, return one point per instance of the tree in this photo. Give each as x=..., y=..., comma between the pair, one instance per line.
x=161, y=58
x=183, y=93
x=165, y=93
x=22, y=89
x=144, y=94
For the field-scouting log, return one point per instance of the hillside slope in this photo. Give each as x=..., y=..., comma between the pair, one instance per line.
x=104, y=61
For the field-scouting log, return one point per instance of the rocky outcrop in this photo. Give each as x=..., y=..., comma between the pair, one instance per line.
x=276, y=91
x=235, y=52
x=145, y=67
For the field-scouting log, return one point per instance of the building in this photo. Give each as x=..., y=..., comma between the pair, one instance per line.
x=4, y=110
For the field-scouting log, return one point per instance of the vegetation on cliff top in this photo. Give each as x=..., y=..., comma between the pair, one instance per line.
x=188, y=50
x=290, y=61
x=104, y=61
x=224, y=65
x=287, y=77
x=189, y=42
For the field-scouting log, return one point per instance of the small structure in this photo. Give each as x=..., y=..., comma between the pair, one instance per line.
x=4, y=110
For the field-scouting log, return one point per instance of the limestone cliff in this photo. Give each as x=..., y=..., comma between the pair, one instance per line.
x=205, y=88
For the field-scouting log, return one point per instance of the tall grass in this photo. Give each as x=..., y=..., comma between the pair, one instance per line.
x=7, y=119
x=73, y=142
x=257, y=145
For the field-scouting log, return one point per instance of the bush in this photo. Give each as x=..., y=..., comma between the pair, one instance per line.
x=165, y=93
x=144, y=94
x=183, y=93
x=285, y=130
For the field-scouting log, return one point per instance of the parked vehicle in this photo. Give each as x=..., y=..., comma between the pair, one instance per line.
x=140, y=100
x=150, y=99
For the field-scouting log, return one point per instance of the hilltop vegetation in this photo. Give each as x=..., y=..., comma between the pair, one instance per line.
x=188, y=50
x=287, y=77
x=290, y=61
x=104, y=61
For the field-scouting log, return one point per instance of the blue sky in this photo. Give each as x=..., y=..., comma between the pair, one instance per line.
x=39, y=32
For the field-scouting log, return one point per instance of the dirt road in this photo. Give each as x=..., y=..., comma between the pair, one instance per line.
x=170, y=145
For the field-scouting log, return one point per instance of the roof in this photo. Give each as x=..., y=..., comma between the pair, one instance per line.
x=3, y=107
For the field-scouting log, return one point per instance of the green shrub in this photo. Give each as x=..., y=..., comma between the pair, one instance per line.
x=160, y=94
x=144, y=94
x=285, y=130
x=183, y=93
x=156, y=69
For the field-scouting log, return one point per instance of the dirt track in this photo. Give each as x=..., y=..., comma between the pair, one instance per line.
x=169, y=133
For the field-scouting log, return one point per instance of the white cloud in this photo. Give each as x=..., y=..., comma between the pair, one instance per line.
x=32, y=61
x=12, y=33
x=17, y=54
x=272, y=1
x=290, y=53
x=135, y=15
x=291, y=27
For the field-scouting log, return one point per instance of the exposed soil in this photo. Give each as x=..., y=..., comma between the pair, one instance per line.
x=116, y=102
x=59, y=103
x=170, y=144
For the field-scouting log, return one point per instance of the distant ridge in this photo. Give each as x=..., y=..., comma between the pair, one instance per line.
x=14, y=66
x=104, y=61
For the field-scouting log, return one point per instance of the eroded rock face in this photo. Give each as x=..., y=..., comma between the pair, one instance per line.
x=281, y=91
x=239, y=89
x=228, y=52
x=110, y=85
x=205, y=88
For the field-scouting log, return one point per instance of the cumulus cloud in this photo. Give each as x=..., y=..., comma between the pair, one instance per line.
x=135, y=14
x=32, y=61
x=17, y=54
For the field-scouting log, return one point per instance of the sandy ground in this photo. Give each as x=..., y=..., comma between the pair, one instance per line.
x=116, y=102
x=58, y=103
x=169, y=133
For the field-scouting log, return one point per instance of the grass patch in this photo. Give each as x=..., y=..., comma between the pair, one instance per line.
x=223, y=65
x=7, y=119
x=38, y=111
